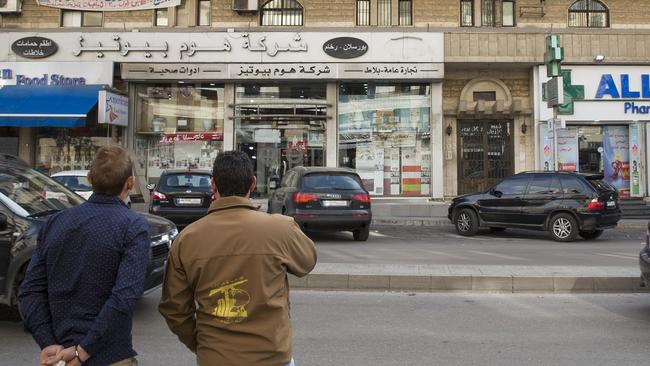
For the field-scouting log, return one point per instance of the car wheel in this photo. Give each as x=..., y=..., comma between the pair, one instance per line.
x=563, y=227
x=497, y=229
x=591, y=235
x=361, y=234
x=466, y=222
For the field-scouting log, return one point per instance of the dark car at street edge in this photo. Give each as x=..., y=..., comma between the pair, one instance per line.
x=565, y=204
x=644, y=260
x=22, y=190
x=181, y=196
x=324, y=199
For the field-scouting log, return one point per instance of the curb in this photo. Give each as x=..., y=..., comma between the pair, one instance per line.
x=467, y=283
x=444, y=222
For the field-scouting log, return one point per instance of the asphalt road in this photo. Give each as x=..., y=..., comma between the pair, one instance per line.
x=441, y=245
x=364, y=329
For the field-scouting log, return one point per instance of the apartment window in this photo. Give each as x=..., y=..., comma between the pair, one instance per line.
x=588, y=14
x=74, y=18
x=363, y=12
x=508, y=13
x=383, y=12
x=161, y=17
x=487, y=13
x=204, y=14
x=405, y=12
x=282, y=12
x=466, y=13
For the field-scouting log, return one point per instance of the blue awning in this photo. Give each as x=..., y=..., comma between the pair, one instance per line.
x=47, y=106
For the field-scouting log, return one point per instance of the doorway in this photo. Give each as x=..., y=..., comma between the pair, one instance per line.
x=485, y=153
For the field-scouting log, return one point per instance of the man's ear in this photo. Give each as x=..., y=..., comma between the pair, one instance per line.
x=213, y=184
x=251, y=189
x=130, y=183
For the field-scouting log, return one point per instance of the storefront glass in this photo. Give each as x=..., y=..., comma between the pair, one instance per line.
x=598, y=149
x=180, y=126
x=280, y=126
x=60, y=149
x=385, y=134
x=9, y=140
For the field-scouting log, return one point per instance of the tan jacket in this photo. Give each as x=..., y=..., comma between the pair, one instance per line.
x=234, y=264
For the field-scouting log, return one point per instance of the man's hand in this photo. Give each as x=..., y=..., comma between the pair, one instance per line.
x=50, y=355
x=68, y=355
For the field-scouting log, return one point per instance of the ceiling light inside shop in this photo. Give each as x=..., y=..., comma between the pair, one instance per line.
x=250, y=148
x=254, y=157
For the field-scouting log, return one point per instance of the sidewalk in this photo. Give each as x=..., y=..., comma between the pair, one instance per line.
x=502, y=279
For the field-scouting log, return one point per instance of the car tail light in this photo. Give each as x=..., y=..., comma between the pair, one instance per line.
x=595, y=205
x=647, y=239
x=304, y=197
x=157, y=197
x=360, y=216
x=365, y=198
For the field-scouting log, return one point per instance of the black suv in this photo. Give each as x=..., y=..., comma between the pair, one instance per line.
x=182, y=196
x=324, y=199
x=27, y=199
x=566, y=204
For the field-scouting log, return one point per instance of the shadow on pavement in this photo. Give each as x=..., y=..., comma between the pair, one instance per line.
x=9, y=314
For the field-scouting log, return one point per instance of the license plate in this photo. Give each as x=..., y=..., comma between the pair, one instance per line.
x=329, y=203
x=611, y=204
x=188, y=201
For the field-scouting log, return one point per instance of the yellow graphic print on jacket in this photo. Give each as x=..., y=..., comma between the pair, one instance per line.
x=231, y=306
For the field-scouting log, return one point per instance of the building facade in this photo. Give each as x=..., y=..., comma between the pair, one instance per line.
x=424, y=99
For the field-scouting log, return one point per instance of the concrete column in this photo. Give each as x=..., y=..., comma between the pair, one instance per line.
x=27, y=144
x=228, y=117
x=331, y=129
x=437, y=141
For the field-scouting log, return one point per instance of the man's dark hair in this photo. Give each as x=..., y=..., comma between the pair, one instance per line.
x=233, y=173
x=109, y=170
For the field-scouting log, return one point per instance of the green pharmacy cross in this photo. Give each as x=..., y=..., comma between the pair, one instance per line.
x=571, y=93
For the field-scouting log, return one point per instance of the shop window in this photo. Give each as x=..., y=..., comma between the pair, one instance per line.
x=487, y=13
x=363, y=12
x=9, y=140
x=384, y=12
x=161, y=17
x=282, y=12
x=74, y=18
x=280, y=126
x=508, y=13
x=467, y=13
x=204, y=16
x=179, y=126
x=588, y=14
x=384, y=133
x=405, y=12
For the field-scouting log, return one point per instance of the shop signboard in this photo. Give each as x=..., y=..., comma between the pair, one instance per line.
x=38, y=73
x=109, y=5
x=34, y=47
x=175, y=138
x=345, y=47
x=113, y=108
x=616, y=158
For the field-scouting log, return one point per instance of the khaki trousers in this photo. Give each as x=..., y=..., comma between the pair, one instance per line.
x=127, y=362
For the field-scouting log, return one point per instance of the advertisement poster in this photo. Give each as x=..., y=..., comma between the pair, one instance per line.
x=370, y=167
x=391, y=171
x=635, y=158
x=616, y=158
x=106, y=5
x=567, y=146
x=547, y=148
x=411, y=172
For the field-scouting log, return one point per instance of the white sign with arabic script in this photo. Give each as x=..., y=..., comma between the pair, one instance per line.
x=109, y=5
x=113, y=109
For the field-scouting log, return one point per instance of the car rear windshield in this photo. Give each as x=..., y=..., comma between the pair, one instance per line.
x=193, y=181
x=601, y=185
x=340, y=182
x=74, y=182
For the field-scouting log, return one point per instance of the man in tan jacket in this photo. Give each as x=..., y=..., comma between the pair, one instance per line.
x=226, y=292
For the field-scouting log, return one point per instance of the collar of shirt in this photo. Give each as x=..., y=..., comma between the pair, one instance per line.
x=104, y=199
x=232, y=202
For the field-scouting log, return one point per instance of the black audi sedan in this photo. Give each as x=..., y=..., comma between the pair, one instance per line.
x=27, y=199
x=563, y=203
x=182, y=196
x=324, y=199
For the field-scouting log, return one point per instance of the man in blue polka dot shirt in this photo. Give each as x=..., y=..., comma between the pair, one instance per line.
x=88, y=271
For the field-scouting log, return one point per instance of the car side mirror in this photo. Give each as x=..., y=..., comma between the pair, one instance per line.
x=151, y=187
x=3, y=221
x=497, y=194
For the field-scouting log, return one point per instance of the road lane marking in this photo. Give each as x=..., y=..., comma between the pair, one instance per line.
x=503, y=256
x=618, y=256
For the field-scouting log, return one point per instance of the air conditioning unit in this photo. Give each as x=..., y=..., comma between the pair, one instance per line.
x=11, y=6
x=244, y=5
